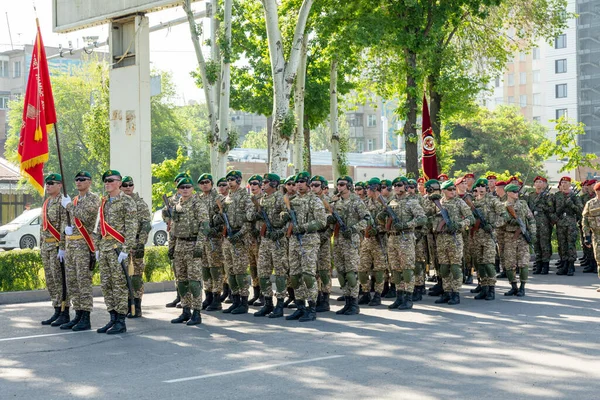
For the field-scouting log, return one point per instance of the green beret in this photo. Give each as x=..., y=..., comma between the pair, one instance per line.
x=234, y=174
x=222, y=180
x=303, y=175
x=412, y=182
x=374, y=181
x=291, y=178
x=345, y=178
x=386, y=182
x=204, y=177
x=111, y=172
x=181, y=175
x=127, y=179
x=281, y=181
x=83, y=174
x=255, y=178
x=53, y=178
x=359, y=184
x=185, y=181
x=272, y=178
x=402, y=179
x=448, y=184
x=511, y=188
x=480, y=181
x=432, y=182
x=319, y=178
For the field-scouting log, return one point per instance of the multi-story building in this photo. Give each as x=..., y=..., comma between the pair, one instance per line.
x=372, y=123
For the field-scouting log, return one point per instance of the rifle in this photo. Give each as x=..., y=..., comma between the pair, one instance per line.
x=130, y=302
x=268, y=226
x=445, y=218
x=522, y=228
x=167, y=206
x=339, y=224
x=390, y=212
x=481, y=222
x=228, y=230
x=294, y=223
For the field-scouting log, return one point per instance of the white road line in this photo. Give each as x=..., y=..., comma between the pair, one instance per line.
x=39, y=336
x=239, y=371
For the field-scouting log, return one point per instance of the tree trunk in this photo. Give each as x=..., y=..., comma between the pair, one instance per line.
x=410, y=129
x=297, y=154
x=333, y=121
x=307, y=163
x=222, y=150
x=269, y=139
x=435, y=106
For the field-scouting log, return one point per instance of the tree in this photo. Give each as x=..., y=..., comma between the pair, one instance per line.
x=255, y=140
x=163, y=173
x=195, y=122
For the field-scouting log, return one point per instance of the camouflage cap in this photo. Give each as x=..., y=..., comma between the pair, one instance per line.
x=272, y=177
x=402, y=179
x=181, y=175
x=374, y=181
x=345, y=178
x=449, y=184
x=53, y=178
x=319, y=178
x=234, y=174
x=255, y=177
x=185, y=181
x=83, y=174
x=480, y=181
x=386, y=182
x=291, y=178
x=110, y=172
x=205, y=176
x=512, y=188
x=303, y=175
x=127, y=179
x=432, y=182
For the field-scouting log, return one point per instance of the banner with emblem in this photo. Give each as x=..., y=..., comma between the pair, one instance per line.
x=429, y=158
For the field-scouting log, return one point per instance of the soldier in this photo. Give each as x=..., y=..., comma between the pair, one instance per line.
x=516, y=248
x=359, y=189
x=567, y=210
x=501, y=194
x=389, y=287
x=118, y=228
x=304, y=246
x=223, y=187
x=591, y=224
x=317, y=186
x=272, y=252
x=289, y=188
x=449, y=240
x=223, y=191
x=469, y=179
x=240, y=212
x=421, y=245
x=540, y=203
x=212, y=246
x=81, y=251
x=255, y=183
x=492, y=179
x=442, y=178
x=421, y=186
x=52, y=248
x=462, y=189
x=588, y=260
x=144, y=219
x=433, y=188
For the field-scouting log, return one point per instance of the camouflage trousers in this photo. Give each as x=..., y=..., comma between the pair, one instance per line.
x=137, y=279
x=324, y=262
x=420, y=257
x=516, y=254
x=112, y=279
x=372, y=262
x=567, y=235
x=483, y=253
x=432, y=248
x=596, y=248
x=212, y=265
x=53, y=274
x=235, y=258
x=346, y=260
x=500, y=238
x=303, y=265
x=467, y=261
x=79, y=276
x=588, y=252
x=253, y=245
x=272, y=257
x=543, y=242
x=401, y=255
x=189, y=273
x=449, y=254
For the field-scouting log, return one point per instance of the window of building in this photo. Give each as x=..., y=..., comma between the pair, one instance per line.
x=536, y=53
x=561, y=90
x=523, y=100
x=537, y=99
x=370, y=144
x=511, y=100
x=4, y=69
x=511, y=79
x=497, y=81
x=522, y=78
x=4, y=103
x=536, y=76
x=537, y=119
x=560, y=42
x=360, y=145
x=17, y=69
x=561, y=112
x=522, y=56
x=560, y=66
x=355, y=120
x=371, y=120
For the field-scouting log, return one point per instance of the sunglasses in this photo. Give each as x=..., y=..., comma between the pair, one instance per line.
x=185, y=187
x=254, y=183
x=51, y=183
x=126, y=185
x=111, y=180
x=222, y=185
x=383, y=187
x=398, y=184
x=81, y=179
x=480, y=185
x=266, y=182
x=231, y=179
x=205, y=182
x=315, y=185
x=359, y=188
x=342, y=184
x=301, y=181
x=290, y=184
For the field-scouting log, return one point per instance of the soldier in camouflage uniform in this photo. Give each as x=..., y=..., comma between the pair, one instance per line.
x=501, y=195
x=359, y=189
x=449, y=240
x=516, y=248
x=118, y=228
x=317, y=186
x=255, y=183
x=567, y=211
x=304, y=245
x=421, y=245
x=223, y=191
x=432, y=188
x=402, y=217
x=421, y=186
x=541, y=205
x=389, y=287
x=463, y=192
x=289, y=188
x=240, y=212
x=80, y=259
x=144, y=220
x=52, y=248
x=591, y=224
x=588, y=261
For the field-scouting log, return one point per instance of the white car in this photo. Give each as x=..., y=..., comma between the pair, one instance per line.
x=158, y=236
x=22, y=232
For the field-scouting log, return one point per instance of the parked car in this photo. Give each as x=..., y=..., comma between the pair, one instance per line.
x=158, y=236
x=22, y=232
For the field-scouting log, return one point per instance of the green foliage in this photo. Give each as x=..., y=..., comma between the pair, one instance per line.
x=288, y=125
x=255, y=140
x=158, y=265
x=343, y=156
x=195, y=122
x=163, y=175
x=213, y=70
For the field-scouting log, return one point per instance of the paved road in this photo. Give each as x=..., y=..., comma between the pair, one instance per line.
x=543, y=346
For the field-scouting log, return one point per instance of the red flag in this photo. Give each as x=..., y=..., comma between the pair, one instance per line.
x=38, y=116
x=429, y=158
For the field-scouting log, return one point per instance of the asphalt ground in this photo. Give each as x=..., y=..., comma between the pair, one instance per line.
x=544, y=346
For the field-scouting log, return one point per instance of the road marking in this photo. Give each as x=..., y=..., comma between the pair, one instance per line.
x=239, y=371
x=39, y=336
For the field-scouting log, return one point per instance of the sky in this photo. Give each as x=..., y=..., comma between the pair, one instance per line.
x=170, y=49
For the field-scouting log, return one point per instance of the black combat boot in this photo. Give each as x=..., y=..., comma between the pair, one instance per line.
x=237, y=300
x=224, y=293
x=558, y=262
x=255, y=295
x=291, y=297
x=417, y=296
x=278, y=310
x=545, y=267
x=208, y=299
x=319, y=298
x=84, y=323
x=483, y=293
x=260, y=302
x=299, y=311
x=324, y=306
x=562, y=268
x=113, y=319
x=444, y=298
x=365, y=298
x=469, y=278
x=437, y=289
x=372, y=283
x=478, y=289
x=592, y=268
x=353, y=309
x=243, y=307
x=399, y=300
x=174, y=303
x=537, y=268
x=53, y=317
x=184, y=317
x=571, y=268
x=513, y=291
x=266, y=309
x=138, y=309
x=376, y=300
x=346, y=306
x=407, y=304
x=119, y=326
x=63, y=318
x=521, y=292
x=216, y=303
x=392, y=293
x=386, y=289
x=454, y=298
x=341, y=298
x=501, y=275
x=585, y=262
x=491, y=294
x=310, y=312
x=73, y=322
x=196, y=318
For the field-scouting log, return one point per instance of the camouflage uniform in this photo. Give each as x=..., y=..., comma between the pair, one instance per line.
x=591, y=224
x=588, y=252
x=373, y=248
x=144, y=219
x=324, y=256
x=467, y=261
x=421, y=246
x=212, y=269
x=567, y=211
x=516, y=248
x=272, y=254
x=500, y=236
x=253, y=241
x=49, y=246
x=542, y=208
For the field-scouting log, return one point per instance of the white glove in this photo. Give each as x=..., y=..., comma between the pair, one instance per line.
x=97, y=255
x=61, y=255
x=69, y=230
x=122, y=257
x=66, y=200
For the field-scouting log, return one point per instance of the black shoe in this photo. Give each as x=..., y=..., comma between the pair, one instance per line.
x=341, y=298
x=208, y=299
x=407, y=304
x=454, y=298
x=392, y=293
x=243, y=307
x=324, y=306
x=537, y=268
x=299, y=311
x=291, y=297
x=184, y=317
x=73, y=322
x=365, y=298
x=119, y=326
x=53, y=317
x=266, y=309
x=63, y=318
x=432, y=278
x=346, y=306
x=386, y=289
x=376, y=300
x=469, y=280
x=216, y=303
x=483, y=293
x=478, y=289
x=226, y=292
x=255, y=295
x=399, y=300
x=138, y=309
x=491, y=294
x=417, y=296
x=590, y=269
x=521, y=292
x=278, y=310
x=319, y=298
x=260, y=302
x=444, y=298
x=571, y=268
x=196, y=318
x=436, y=290
x=501, y=275
x=237, y=300
x=513, y=291
x=310, y=312
x=585, y=263
x=174, y=303
x=562, y=268
x=558, y=262
x=113, y=319
x=84, y=323
x=354, y=309
x=545, y=268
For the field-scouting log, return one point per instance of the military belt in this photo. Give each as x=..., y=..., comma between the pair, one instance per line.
x=74, y=237
x=188, y=239
x=50, y=240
